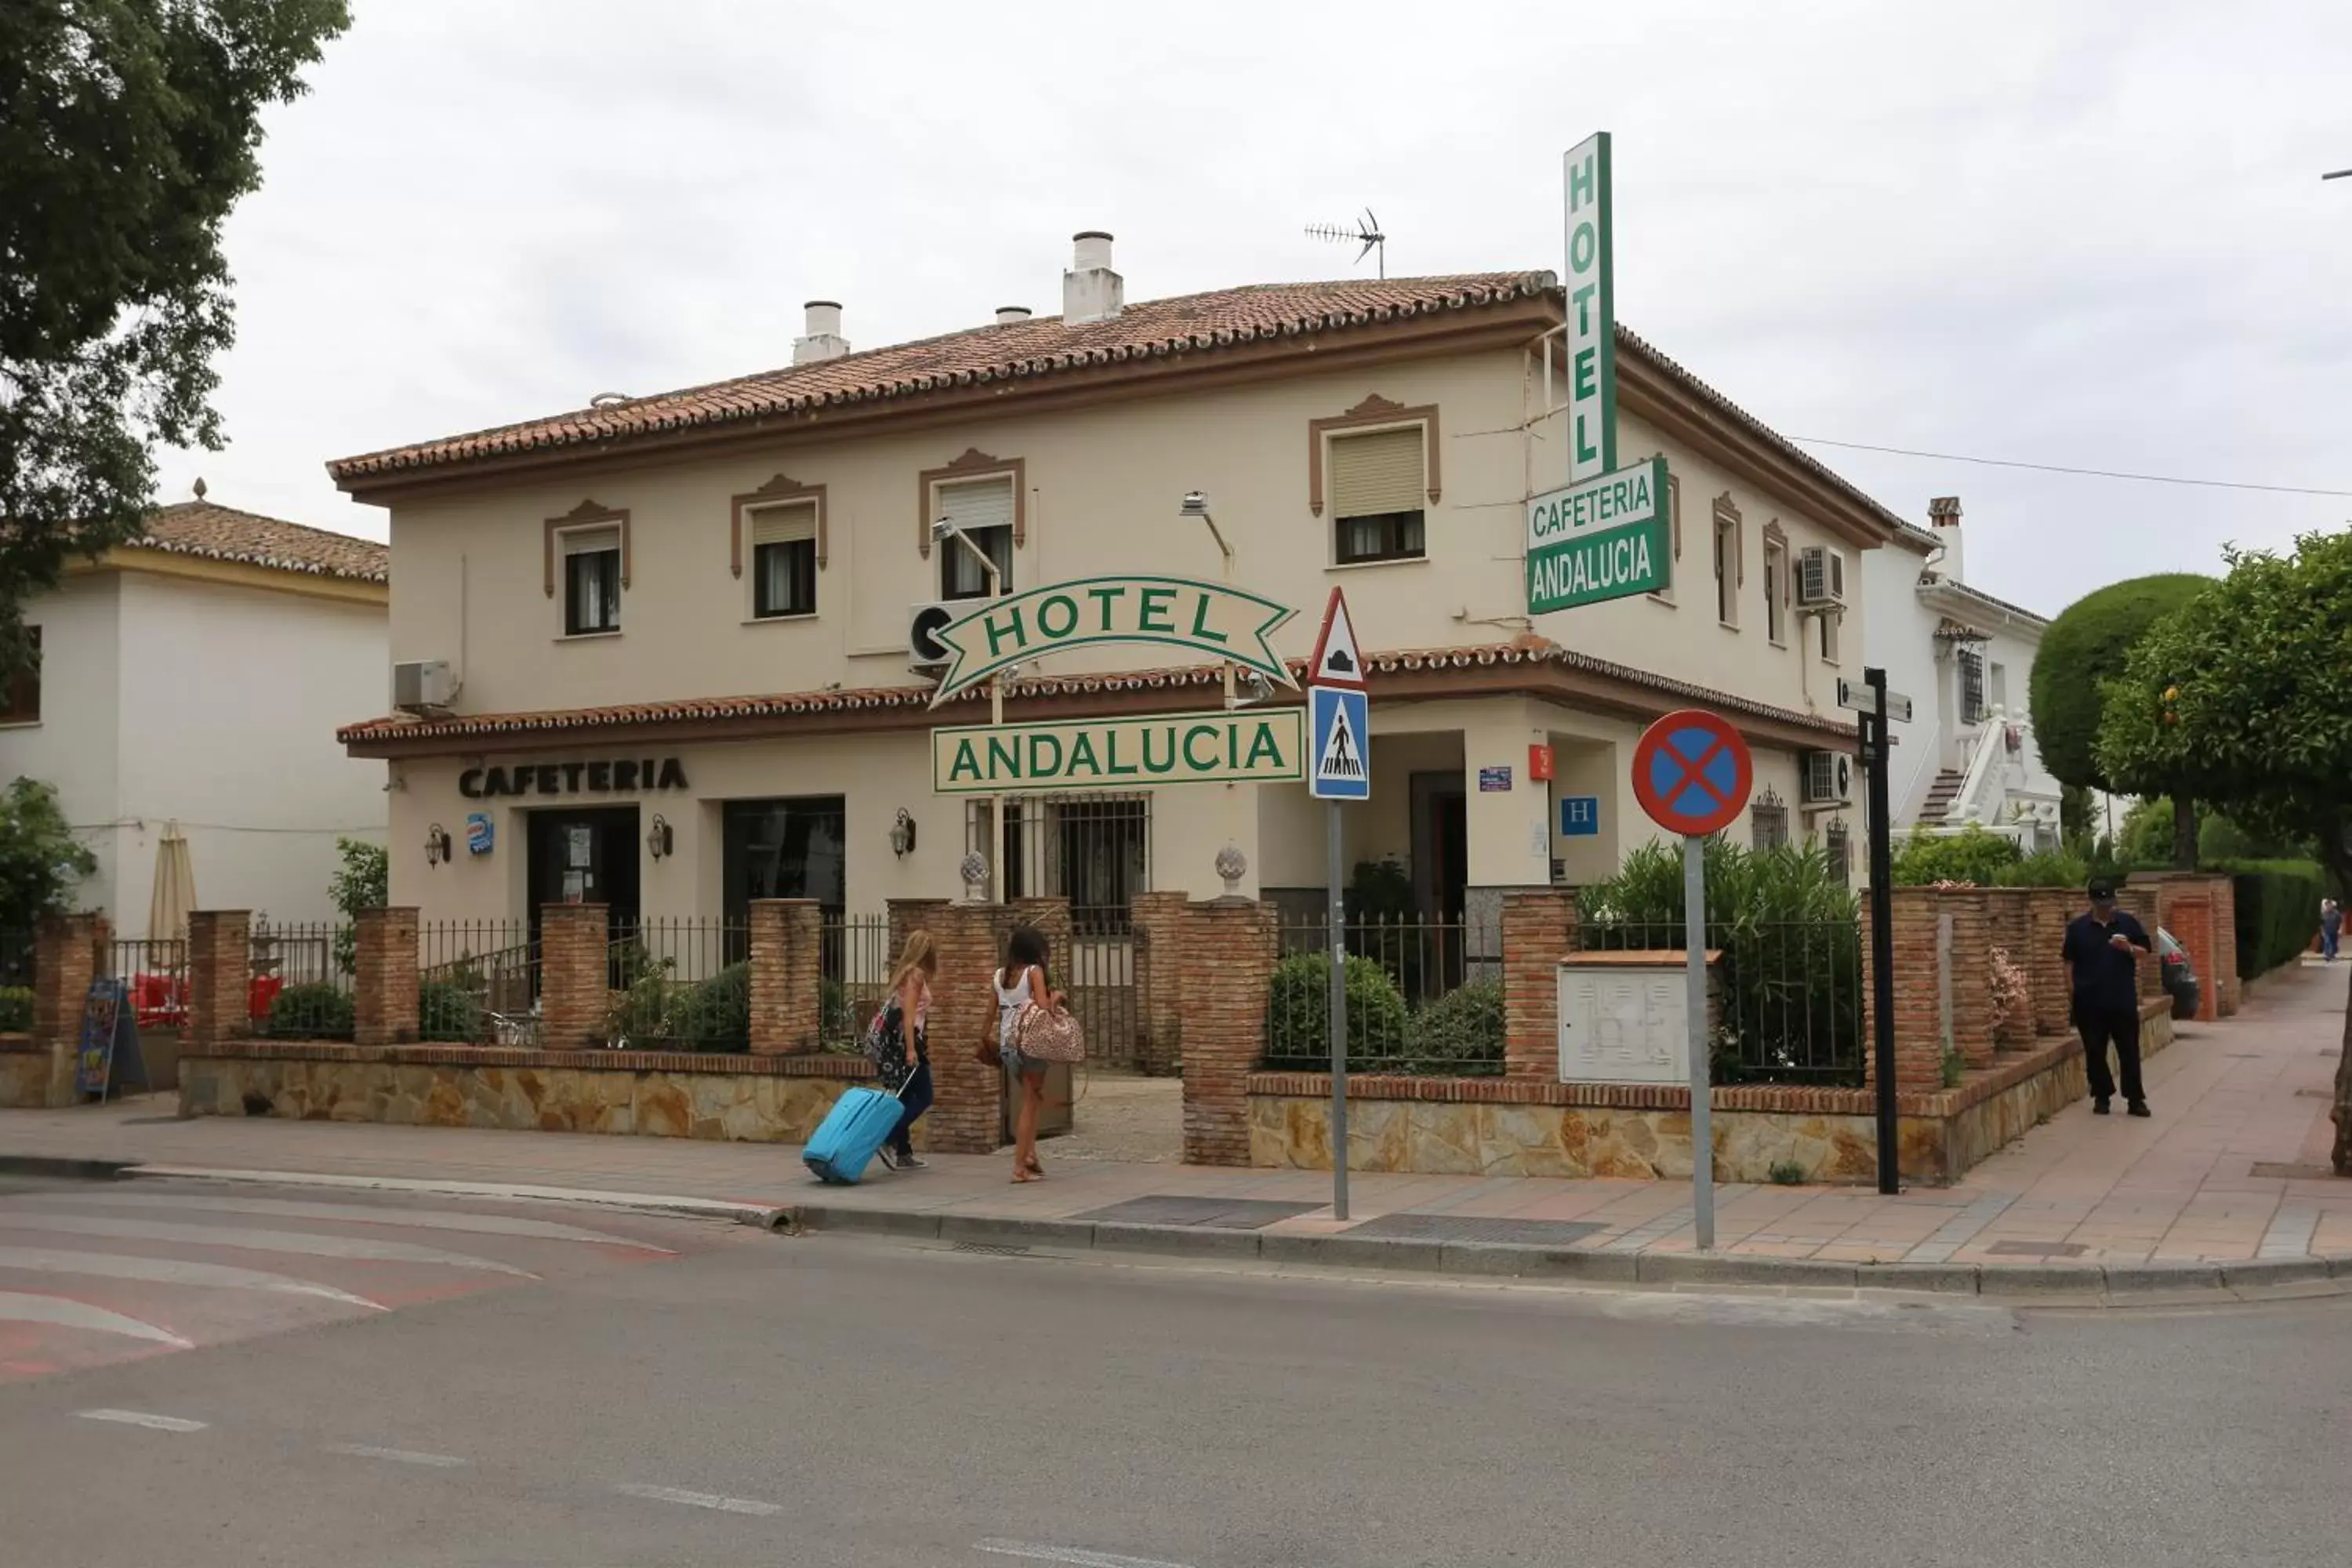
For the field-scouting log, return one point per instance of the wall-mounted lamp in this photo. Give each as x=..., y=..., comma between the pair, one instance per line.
x=659, y=839
x=902, y=835
x=436, y=845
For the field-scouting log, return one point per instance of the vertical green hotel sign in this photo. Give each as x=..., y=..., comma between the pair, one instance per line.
x=1592, y=314
x=1602, y=538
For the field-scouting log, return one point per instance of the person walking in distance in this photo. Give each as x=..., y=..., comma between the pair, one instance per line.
x=2331, y=927
x=1022, y=983
x=901, y=1044
x=2103, y=977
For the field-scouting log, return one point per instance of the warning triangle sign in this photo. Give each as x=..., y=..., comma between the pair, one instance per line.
x=1336, y=661
x=1343, y=757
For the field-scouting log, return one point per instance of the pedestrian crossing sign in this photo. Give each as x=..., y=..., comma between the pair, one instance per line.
x=1342, y=768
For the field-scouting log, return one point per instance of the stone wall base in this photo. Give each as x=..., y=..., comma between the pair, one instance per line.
x=665, y=1095
x=1499, y=1128
x=36, y=1077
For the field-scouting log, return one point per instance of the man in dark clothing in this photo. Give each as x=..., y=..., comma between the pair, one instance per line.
x=2105, y=979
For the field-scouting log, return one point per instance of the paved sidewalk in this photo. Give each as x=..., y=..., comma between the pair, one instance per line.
x=2232, y=1170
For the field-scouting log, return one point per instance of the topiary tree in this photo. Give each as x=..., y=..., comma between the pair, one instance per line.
x=2243, y=697
x=2084, y=646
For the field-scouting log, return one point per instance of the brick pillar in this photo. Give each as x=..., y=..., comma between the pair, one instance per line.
x=1919, y=1005
x=787, y=975
x=1971, y=960
x=574, y=958
x=968, y=1115
x=384, y=994
x=70, y=951
x=1538, y=925
x=220, y=976
x=2008, y=931
x=1228, y=970
x=2145, y=900
x=2224, y=979
x=1158, y=921
x=2048, y=909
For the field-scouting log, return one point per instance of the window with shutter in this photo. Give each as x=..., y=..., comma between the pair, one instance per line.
x=20, y=697
x=1776, y=593
x=1379, y=488
x=983, y=511
x=1971, y=686
x=592, y=581
x=783, y=561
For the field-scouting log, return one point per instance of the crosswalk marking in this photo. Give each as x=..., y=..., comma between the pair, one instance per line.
x=699, y=1500
x=363, y=1213
x=246, y=1239
x=144, y=1419
x=65, y=1312
x=169, y=1271
x=1072, y=1554
x=397, y=1456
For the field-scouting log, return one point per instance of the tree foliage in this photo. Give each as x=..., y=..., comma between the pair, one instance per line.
x=128, y=129
x=40, y=860
x=2085, y=646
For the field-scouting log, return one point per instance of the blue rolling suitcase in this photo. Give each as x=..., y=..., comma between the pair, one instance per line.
x=852, y=1131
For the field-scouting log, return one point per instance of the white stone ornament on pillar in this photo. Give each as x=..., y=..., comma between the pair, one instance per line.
x=975, y=875
x=1232, y=867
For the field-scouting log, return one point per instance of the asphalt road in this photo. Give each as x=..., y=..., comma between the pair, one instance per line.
x=744, y=1398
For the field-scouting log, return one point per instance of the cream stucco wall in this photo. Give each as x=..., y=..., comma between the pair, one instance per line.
x=166, y=698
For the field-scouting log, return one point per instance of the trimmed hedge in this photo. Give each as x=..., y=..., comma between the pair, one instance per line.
x=2278, y=910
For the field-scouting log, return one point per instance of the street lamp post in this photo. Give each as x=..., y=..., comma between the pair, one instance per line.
x=943, y=529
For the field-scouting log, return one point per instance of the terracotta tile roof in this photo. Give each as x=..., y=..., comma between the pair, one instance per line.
x=1155, y=329
x=1525, y=652
x=224, y=533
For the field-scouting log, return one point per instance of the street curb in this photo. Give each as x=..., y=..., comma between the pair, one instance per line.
x=65, y=1167
x=2050, y=1284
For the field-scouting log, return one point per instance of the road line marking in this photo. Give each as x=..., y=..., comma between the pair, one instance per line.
x=362, y=1214
x=170, y=1271
x=65, y=1312
x=246, y=1239
x=699, y=1500
x=397, y=1456
x=143, y=1418
x=1073, y=1554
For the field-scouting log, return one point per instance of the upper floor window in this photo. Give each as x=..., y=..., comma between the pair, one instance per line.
x=1997, y=685
x=1828, y=621
x=592, y=581
x=1665, y=595
x=1730, y=570
x=982, y=511
x=784, y=561
x=1378, y=493
x=20, y=699
x=1973, y=685
x=1776, y=592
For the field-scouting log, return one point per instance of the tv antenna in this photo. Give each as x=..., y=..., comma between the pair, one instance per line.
x=1366, y=231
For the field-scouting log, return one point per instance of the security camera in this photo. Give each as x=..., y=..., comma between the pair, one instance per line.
x=1195, y=504
x=1250, y=688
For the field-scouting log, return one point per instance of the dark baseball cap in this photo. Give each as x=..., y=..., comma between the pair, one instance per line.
x=2102, y=890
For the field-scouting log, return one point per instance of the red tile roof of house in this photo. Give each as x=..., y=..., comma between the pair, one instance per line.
x=224, y=533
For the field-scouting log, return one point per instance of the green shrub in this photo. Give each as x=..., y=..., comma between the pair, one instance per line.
x=2277, y=910
x=445, y=1010
x=1460, y=1031
x=1786, y=1173
x=2045, y=868
x=715, y=1015
x=1972, y=855
x=15, y=1009
x=1298, y=1012
x=315, y=1011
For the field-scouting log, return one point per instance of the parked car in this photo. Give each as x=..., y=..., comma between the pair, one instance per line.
x=2179, y=974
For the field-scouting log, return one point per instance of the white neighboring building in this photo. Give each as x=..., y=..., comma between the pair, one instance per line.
x=1965, y=659
x=197, y=675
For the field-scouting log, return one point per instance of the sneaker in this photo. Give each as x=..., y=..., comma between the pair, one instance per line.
x=886, y=1156
x=2099, y=1108
x=912, y=1163
x=2136, y=1107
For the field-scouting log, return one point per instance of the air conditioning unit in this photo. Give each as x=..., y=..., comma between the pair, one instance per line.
x=1821, y=578
x=425, y=686
x=1828, y=778
x=924, y=649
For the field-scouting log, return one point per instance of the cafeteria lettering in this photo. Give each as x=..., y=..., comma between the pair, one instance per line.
x=627, y=776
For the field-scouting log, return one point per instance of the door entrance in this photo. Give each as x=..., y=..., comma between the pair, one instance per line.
x=585, y=858
x=1440, y=852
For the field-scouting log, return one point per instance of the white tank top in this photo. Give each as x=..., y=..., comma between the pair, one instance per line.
x=1009, y=1000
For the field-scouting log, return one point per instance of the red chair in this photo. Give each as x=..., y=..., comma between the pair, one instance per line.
x=159, y=1001
x=260, y=996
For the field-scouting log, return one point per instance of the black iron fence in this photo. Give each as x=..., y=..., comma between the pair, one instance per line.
x=1788, y=993
x=1412, y=1006
x=154, y=975
x=478, y=982
x=856, y=970
x=302, y=979
x=677, y=985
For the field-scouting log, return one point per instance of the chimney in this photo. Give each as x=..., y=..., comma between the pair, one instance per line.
x=1011, y=315
x=824, y=340
x=1091, y=291
x=1943, y=512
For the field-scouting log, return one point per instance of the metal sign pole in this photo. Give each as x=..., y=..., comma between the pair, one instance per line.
x=1339, y=1019
x=1694, y=970
x=1882, y=925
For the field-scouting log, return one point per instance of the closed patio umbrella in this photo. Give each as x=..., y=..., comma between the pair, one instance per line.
x=175, y=898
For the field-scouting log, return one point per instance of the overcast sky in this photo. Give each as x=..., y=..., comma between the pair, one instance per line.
x=2080, y=234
